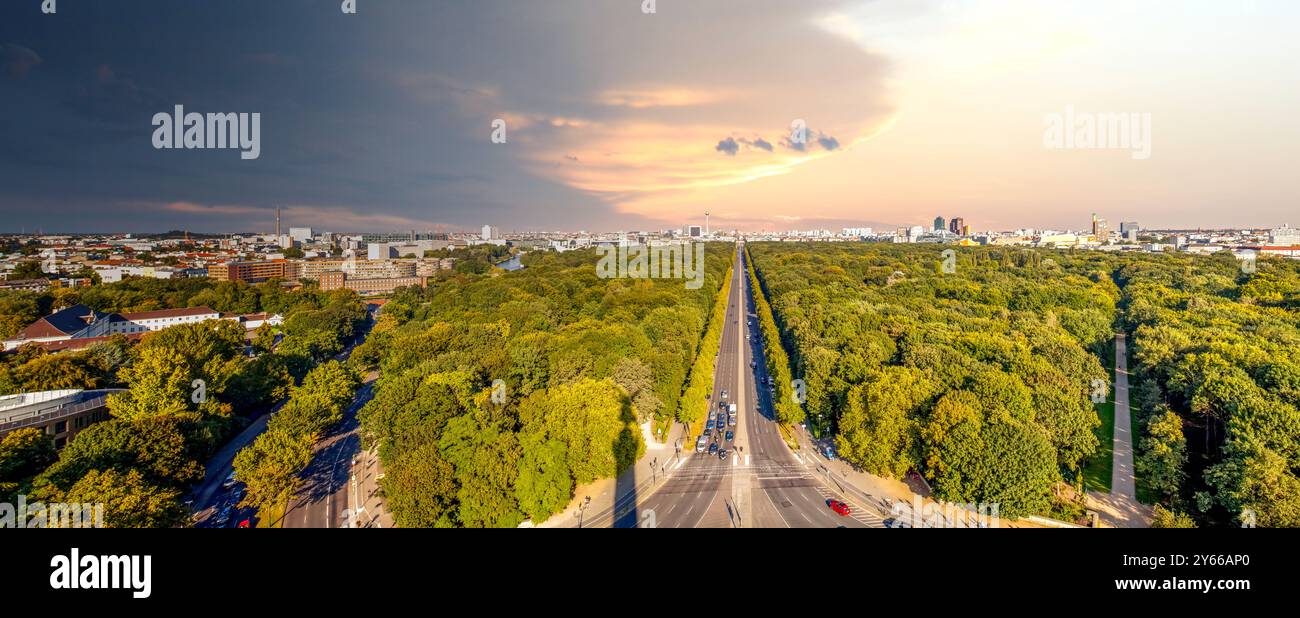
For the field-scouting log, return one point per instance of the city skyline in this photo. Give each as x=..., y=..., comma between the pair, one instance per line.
x=910, y=110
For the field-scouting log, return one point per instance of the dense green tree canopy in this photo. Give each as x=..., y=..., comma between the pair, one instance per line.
x=501, y=392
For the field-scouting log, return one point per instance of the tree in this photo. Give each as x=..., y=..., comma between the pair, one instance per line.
x=160, y=385
x=954, y=447
x=56, y=372
x=486, y=461
x=166, y=449
x=129, y=500
x=592, y=419
x=879, y=430
x=545, y=484
x=1022, y=469
x=23, y=453
x=1162, y=454
x=421, y=489
x=270, y=465
x=637, y=380
x=1162, y=517
x=27, y=270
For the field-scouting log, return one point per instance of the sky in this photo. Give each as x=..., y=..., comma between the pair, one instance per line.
x=616, y=119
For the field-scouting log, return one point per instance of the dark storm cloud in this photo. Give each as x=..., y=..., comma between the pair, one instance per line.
x=728, y=146
x=828, y=143
x=385, y=114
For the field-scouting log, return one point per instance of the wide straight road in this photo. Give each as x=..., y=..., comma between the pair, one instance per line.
x=323, y=499
x=787, y=491
x=698, y=492
x=761, y=483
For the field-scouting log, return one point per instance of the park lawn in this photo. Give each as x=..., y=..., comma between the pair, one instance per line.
x=1097, y=471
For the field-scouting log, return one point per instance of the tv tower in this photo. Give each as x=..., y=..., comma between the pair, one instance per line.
x=706, y=224
x=277, y=224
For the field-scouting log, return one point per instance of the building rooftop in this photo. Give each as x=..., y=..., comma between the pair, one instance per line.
x=60, y=323
x=169, y=313
x=22, y=410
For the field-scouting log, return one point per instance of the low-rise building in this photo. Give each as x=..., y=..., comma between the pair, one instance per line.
x=341, y=281
x=81, y=322
x=60, y=414
x=254, y=272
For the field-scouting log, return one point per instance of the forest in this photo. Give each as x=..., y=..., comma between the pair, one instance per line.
x=1216, y=369
x=499, y=394
x=974, y=369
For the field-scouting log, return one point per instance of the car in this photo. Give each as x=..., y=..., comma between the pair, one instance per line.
x=840, y=507
x=710, y=425
x=713, y=448
x=230, y=480
x=828, y=452
x=222, y=516
x=724, y=393
x=701, y=444
x=722, y=454
x=731, y=435
x=753, y=364
x=722, y=405
x=731, y=420
x=245, y=523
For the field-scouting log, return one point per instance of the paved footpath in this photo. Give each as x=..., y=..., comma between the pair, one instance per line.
x=1121, y=508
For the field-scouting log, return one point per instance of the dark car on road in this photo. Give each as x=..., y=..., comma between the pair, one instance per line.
x=722, y=454
x=713, y=448
x=731, y=435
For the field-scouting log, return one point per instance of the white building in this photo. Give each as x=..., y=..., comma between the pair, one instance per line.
x=300, y=234
x=491, y=233
x=81, y=322
x=1285, y=236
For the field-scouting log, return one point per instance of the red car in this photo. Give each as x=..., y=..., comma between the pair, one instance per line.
x=840, y=507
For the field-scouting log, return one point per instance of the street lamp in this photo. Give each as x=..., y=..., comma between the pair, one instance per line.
x=582, y=509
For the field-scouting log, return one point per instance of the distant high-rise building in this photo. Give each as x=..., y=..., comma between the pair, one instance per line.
x=1100, y=228
x=491, y=233
x=1129, y=226
x=939, y=224
x=277, y=221
x=957, y=226
x=694, y=231
x=300, y=234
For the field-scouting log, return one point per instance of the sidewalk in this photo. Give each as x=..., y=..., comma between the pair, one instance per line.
x=636, y=482
x=1120, y=508
x=363, y=488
